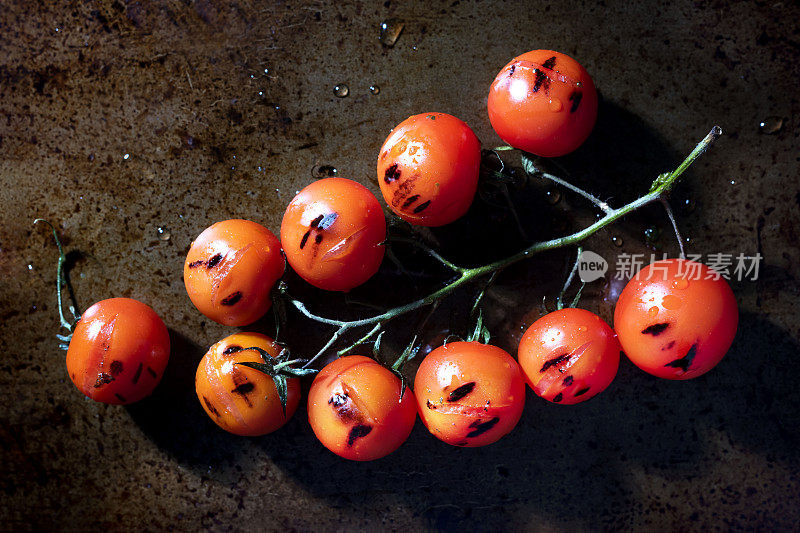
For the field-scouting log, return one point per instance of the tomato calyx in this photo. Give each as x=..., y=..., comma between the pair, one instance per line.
x=279, y=369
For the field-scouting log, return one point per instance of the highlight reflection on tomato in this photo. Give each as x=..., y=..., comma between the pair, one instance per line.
x=543, y=102
x=240, y=399
x=355, y=409
x=230, y=270
x=428, y=169
x=469, y=394
x=676, y=319
x=332, y=233
x=118, y=351
x=569, y=356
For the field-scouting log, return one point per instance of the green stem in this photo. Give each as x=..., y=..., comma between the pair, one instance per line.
x=62, y=279
x=660, y=188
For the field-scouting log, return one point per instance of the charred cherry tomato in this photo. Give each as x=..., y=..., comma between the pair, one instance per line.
x=543, y=102
x=230, y=270
x=240, y=399
x=676, y=319
x=355, y=409
x=118, y=351
x=469, y=394
x=332, y=234
x=569, y=356
x=428, y=169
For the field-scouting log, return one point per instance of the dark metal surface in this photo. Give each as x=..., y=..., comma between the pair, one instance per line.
x=122, y=118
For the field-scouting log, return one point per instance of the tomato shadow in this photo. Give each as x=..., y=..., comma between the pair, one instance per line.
x=582, y=462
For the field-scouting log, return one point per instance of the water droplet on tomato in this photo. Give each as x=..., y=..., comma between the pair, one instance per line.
x=653, y=311
x=555, y=105
x=582, y=328
x=670, y=301
x=390, y=31
x=770, y=125
x=341, y=90
x=680, y=283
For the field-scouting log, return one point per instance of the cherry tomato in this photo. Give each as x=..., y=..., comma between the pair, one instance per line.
x=469, y=394
x=355, y=409
x=569, y=356
x=428, y=169
x=240, y=399
x=118, y=351
x=543, y=102
x=230, y=270
x=676, y=319
x=332, y=233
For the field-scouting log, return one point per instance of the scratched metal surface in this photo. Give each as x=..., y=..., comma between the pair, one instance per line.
x=118, y=119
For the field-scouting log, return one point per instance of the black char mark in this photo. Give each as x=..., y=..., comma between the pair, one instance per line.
x=358, y=431
x=669, y=346
x=116, y=368
x=304, y=240
x=575, y=98
x=102, y=379
x=656, y=329
x=231, y=299
x=120, y=397
x=138, y=373
x=554, y=361
x=195, y=264
x=338, y=399
x=558, y=397
x=392, y=173
x=567, y=381
x=211, y=407
x=231, y=349
x=461, y=391
x=243, y=390
x=550, y=63
x=317, y=238
x=482, y=427
x=152, y=372
x=582, y=391
x=316, y=221
x=214, y=261
x=512, y=69
x=422, y=207
x=430, y=405
x=410, y=200
x=684, y=362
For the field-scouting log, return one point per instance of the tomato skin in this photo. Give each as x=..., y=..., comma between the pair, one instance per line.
x=230, y=270
x=569, y=356
x=428, y=169
x=332, y=233
x=355, y=409
x=672, y=325
x=118, y=351
x=543, y=102
x=239, y=399
x=469, y=394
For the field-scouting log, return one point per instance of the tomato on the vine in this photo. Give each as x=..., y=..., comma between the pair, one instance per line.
x=543, y=102
x=118, y=351
x=333, y=233
x=469, y=394
x=428, y=169
x=356, y=411
x=676, y=319
x=569, y=356
x=240, y=399
x=230, y=270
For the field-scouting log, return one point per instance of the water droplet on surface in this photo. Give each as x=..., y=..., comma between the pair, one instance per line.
x=163, y=233
x=653, y=311
x=341, y=90
x=553, y=196
x=555, y=105
x=617, y=241
x=680, y=283
x=324, y=171
x=374, y=89
x=390, y=31
x=652, y=234
x=733, y=182
x=30, y=266
x=687, y=205
x=770, y=125
x=126, y=156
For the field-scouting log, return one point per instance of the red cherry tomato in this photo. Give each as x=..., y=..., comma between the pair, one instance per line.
x=239, y=399
x=469, y=394
x=355, y=409
x=118, y=351
x=230, y=270
x=676, y=319
x=543, y=102
x=428, y=169
x=332, y=234
x=569, y=356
